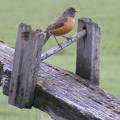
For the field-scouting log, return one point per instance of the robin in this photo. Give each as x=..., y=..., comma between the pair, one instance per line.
x=63, y=25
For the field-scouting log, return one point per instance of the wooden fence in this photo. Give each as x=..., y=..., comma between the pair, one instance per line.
x=28, y=81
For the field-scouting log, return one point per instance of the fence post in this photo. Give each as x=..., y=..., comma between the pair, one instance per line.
x=88, y=51
x=25, y=66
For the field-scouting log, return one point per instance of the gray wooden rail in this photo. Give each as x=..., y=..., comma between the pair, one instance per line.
x=28, y=81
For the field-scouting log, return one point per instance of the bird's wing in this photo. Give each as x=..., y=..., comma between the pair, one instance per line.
x=58, y=23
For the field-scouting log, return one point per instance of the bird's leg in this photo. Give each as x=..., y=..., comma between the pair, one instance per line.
x=57, y=41
x=66, y=37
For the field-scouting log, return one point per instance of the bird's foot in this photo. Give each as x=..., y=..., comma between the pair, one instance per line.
x=59, y=45
x=68, y=38
x=58, y=42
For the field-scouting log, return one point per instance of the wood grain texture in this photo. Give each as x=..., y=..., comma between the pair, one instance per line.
x=65, y=95
x=25, y=66
x=88, y=51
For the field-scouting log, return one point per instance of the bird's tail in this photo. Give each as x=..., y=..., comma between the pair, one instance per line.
x=48, y=34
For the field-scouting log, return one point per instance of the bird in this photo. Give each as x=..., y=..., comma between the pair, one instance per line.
x=62, y=25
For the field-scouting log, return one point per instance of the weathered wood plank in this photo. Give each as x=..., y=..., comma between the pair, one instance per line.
x=25, y=66
x=66, y=96
x=88, y=51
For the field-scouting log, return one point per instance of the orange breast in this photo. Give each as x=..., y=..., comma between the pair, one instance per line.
x=68, y=26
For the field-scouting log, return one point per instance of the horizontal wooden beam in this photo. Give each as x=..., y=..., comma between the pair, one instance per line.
x=63, y=94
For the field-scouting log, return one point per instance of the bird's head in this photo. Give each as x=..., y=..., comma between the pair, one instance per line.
x=70, y=12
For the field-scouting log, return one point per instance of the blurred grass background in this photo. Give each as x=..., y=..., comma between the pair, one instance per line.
x=39, y=13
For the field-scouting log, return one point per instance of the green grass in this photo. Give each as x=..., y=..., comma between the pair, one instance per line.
x=39, y=13
x=8, y=112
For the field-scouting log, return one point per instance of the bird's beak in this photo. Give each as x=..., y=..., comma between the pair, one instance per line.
x=77, y=10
